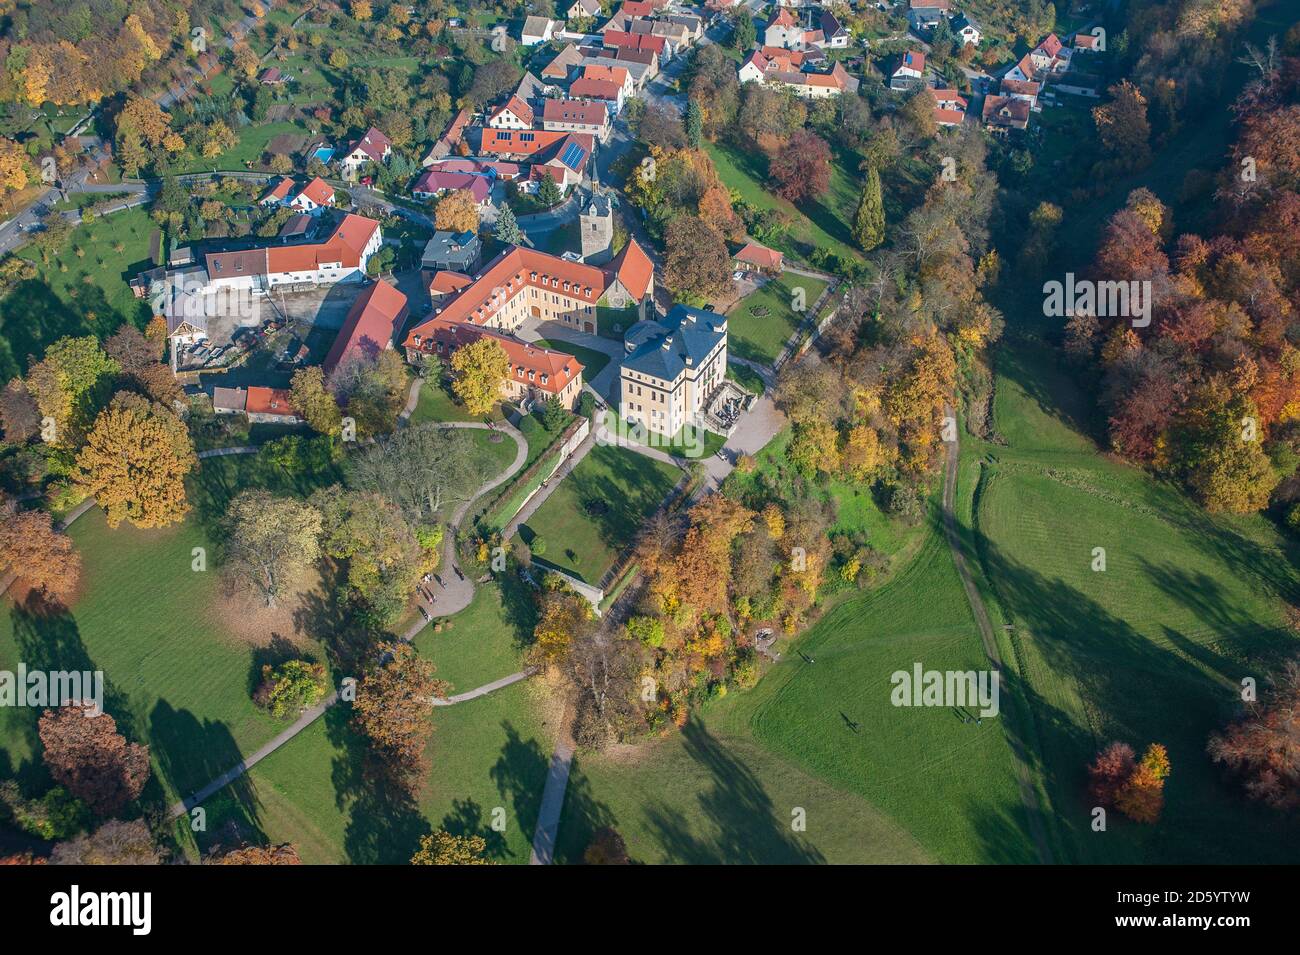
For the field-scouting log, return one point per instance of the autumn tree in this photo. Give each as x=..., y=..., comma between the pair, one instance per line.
x=291, y=688
x=283, y=854
x=384, y=557
x=457, y=212
x=481, y=368
x=309, y=394
x=1123, y=128
x=135, y=462
x=114, y=843
x=69, y=385
x=440, y=847
x=86, y=754
x=270, y=542
x=563, y=616
x=801, y=169
x=1259, y=747
x=33, y=549
x=1142, y=798
x=392, y=710
x=423, y=469
x=696, y=262
x=1109, y=773
x=15, y=167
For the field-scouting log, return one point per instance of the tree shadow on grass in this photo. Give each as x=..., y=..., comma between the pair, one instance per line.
x=748, y=828
x=190, y=753
x=48, y=639
x=32, y=316
x=466, y=819
x=279, y=651
x=520, y=775
x=384, y=821
x=519, y=606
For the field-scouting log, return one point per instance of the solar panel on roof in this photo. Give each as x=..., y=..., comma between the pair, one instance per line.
x=573, y=156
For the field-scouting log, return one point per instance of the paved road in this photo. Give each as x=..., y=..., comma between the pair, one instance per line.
x=1024, y=779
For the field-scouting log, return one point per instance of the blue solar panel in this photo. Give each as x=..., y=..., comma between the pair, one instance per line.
x=572, y=157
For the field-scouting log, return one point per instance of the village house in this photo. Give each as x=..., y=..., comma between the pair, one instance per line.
x=538, y=30
x=450, y=139
x=1002, y=113
x=783, y=31
x=372, y=147
x=270, y=406
x=315, y=196
x=949, y=107
x=833, y=34
x=759, y=258
x=966, y=29
x=566, y=60
x=926, y=14
x=910, y=71
x=572, y=115
x=583, y=9
x=435, y=182
x=563, y=155
x=671, y=368
x=342, y=257
x=451, y=251
x=793, y=69
x=1026, y=90
x=513, y=114
x=376, y=315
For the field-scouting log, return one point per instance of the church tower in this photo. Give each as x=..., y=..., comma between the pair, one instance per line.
x=596, y=221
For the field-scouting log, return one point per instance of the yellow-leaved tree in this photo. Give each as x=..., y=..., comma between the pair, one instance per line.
x=480, y=369
x=135, y=462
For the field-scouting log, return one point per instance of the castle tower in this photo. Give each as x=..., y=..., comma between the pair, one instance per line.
x=596, y=221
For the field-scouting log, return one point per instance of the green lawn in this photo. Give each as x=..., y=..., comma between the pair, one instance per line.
x=592, y=361
x=627, y=485
x=76, y=294
x=713, y=795
x=174, y=679
x=437, y=403
x=486, y=640
x=761, y=323
x=486, y=755
x=1152, y=649
x=746, y=377
x=824, y=223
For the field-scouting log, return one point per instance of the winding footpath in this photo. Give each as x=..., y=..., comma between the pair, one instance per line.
x=465, y=592
x=1024, y=778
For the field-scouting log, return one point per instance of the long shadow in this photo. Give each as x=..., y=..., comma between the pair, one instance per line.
x=749, y=828
x=190, y=752
x=48, y=638
x=384, y=822
x=466, y=819
x=1131, y=688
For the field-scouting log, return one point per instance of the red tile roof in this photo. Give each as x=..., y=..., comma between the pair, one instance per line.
x=595, y=89
x=1051, y=45
x=279, y=191
x=552, y=370
x=636, y=41
x=513, y=270
x=345, y=246
x=507, y=142
x=373, y=144
x=760, y=255
x=517, y=106
x=634, y=269
x=446, y=282
x=318, y=191
x=273, y=401
x=613, y=74
x=783, y=19
x=372, y=321
x=575, y=111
